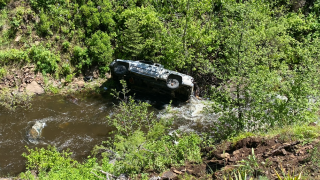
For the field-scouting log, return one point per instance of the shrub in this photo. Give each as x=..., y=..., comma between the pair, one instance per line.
x=66, y=69
x=100, y=49
x=2, y=72
x=51, y=164
x=140, y=141
x=65, y=45
x=13, y=56
x=44, y=25
x=44, y=4
x=57, y=38
x=3, y=3
x=69, y=78
x=80, y=58
x=47, y=62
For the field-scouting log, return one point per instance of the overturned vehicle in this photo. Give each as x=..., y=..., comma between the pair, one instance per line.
x=146, y=75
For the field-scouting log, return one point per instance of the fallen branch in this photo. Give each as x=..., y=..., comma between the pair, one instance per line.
x=108, y=174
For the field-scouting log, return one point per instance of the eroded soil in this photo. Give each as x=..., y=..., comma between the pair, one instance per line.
x=259, y=157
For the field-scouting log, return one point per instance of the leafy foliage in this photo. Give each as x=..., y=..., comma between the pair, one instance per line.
x=141, y=141
x=47, y=62
x=100, y=50
x=52, y=164
x=80, y=58
x=142, y=145
x=257, y=60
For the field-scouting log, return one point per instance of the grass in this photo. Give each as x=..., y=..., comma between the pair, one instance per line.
x=297, y=132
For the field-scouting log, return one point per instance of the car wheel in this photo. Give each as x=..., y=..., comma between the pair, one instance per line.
x=120, y=69
x=173, y=83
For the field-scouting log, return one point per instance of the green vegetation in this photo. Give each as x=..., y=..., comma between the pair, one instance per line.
x=140, y=143
x=256, y=60
x=11, y=100
x=300, y=132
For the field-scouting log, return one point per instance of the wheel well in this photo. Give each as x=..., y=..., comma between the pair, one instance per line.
x=175, y=77
x=122, y=63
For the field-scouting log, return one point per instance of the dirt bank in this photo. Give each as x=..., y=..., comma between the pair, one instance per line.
x=259, y=157
x=19, y=85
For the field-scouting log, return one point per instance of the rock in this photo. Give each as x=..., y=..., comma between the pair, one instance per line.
x=72, y=99
x=169, y=175
x=34, y=133
x=17, y=38
x=80, y=83
x=225, y=155
x=122, y=177
x=34, y=88
x=108, y=75
x=33, y=172
x=21, y=89
x=96, y=74
x=37, y=19
x=14, y=93
x=236, y=152
x=155, y=178
x=37, y=43
x=113, y=161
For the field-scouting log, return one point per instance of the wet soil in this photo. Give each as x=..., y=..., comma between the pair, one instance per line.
x=271, y=155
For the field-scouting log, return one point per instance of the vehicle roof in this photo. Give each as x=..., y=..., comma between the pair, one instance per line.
x=139, y=62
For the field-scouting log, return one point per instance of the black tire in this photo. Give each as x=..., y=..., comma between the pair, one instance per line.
x=173, y=82
x=120, y=69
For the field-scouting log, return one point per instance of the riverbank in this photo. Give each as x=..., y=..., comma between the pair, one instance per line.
x=291, y=151
x=19, y=85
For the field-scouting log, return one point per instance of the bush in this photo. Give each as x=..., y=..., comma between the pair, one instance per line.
x=57, y=38
x=66, y=69
x=3, y=3
x=100, y=50
x=44, y=25
x=65, y=45
x=80, y=58
x=44, y=4
x=2, y=72
x=51, y=164
x=47, y=62
x=69, y=78
x=141, y=141
x=13, y=56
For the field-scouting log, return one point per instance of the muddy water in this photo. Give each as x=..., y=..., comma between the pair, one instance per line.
x=79, y=125
x=74, y=124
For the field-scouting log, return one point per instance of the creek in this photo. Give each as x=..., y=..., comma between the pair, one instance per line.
x=77, y=123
